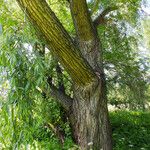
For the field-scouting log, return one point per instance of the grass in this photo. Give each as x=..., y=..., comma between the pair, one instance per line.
x=131, y=130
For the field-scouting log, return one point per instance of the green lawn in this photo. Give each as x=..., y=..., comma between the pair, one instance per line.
x=131, y=130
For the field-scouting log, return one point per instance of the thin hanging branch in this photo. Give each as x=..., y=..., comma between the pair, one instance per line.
x=57, y=130
x=61, y=87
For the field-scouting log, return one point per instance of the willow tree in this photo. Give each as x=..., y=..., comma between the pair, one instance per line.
x=82, y=59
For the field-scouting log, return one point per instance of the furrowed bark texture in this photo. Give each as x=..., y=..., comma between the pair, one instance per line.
x=58, y=40
x=87, y=36
x=91, y=125
x=87, y=111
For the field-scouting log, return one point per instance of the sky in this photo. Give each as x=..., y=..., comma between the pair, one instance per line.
x=146, y=8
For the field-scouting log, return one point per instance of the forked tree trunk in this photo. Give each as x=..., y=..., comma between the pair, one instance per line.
x=88, y=112
x=91, y=122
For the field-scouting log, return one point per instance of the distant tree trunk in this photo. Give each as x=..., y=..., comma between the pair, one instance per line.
x=88, y=113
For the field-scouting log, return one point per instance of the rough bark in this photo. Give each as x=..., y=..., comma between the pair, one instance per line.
x=90, y=123
x=58, y=40
x=88, y=109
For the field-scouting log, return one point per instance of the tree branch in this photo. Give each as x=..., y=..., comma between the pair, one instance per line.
x=108, y=10
x=101, y=18
x=61, y=97
x=82, y=20
x=58, y=40
x=60, y=77
x=57, y=93
x=61, y=87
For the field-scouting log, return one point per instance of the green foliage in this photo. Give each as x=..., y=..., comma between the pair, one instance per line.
x=25, y=113
x=146, y=33
x=127, y=10
x=131, y=130
x=62, y=11
x=124, y=69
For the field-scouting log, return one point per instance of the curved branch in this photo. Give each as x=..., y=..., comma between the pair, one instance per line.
x=101, y=18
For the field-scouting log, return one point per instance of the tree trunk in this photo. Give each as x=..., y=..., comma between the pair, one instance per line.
x=89, y=118
x=88, y=112
x=91, y=125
